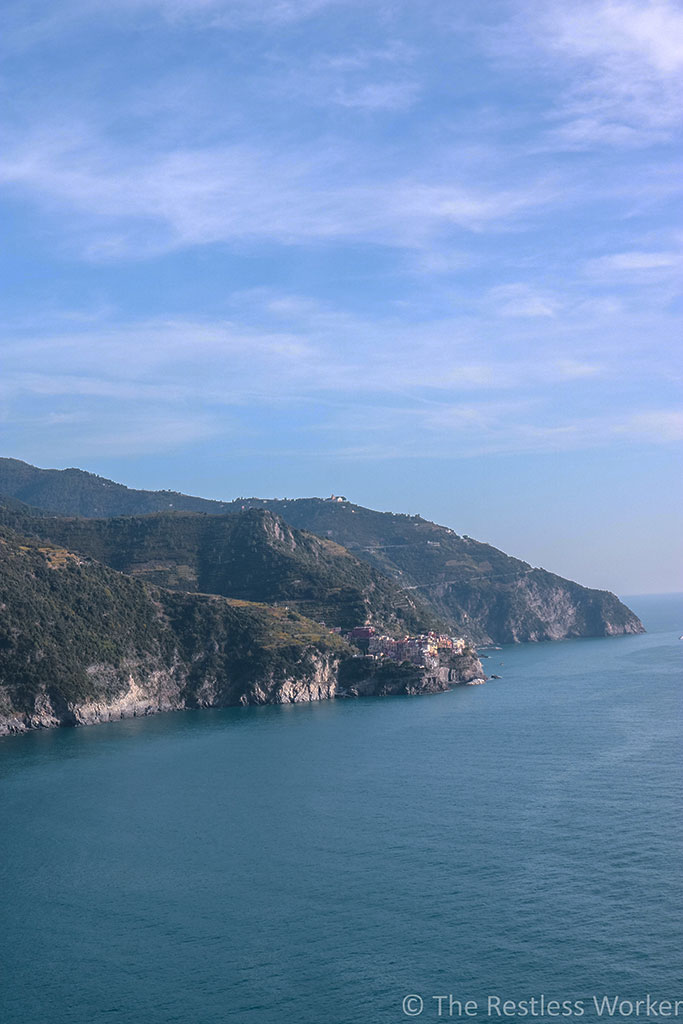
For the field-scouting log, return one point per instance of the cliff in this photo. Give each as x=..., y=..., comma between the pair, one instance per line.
x=81, y=643
x=364, y=677
x=538, y=605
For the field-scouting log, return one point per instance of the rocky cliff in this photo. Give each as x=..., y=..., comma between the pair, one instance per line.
x=537, y=605
x=364, y=677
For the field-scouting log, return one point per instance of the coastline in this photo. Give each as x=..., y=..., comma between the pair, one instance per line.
x=327, y=679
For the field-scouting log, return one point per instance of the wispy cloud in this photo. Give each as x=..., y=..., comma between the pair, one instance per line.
x=462, y=385
x=370, y=96
x=103, y=433
x=464, y=431
x=448, y=232
x=638, y=261
x=30, y=22
x=228, y=12
x=520, y=300
x=622, y=63
x=145, y=202
x=658, y=425
x=373, y=80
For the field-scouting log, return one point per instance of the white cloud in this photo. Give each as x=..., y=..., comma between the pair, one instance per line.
x=362, y=387
x=466, y=431
x=140, y=203
x=636, y=261
x=371, y=80
x=574, y=369
x=587, y=132
x=621, y=61
x=34, y=21
x=646, y=32
x=520, y=300
x=229, y=12
x=377, y=95
x=394, y=52
x=658, y=425
x=54, y=385
x=491, y=329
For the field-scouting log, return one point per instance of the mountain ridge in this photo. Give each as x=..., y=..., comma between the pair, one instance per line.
x=475, y=588
x=253, y=555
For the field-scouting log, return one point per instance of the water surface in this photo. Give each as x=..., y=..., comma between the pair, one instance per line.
x=314, y=864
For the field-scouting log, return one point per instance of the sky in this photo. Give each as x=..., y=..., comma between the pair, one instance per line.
x=426, y=255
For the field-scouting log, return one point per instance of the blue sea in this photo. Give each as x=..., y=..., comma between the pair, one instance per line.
x=320, y=864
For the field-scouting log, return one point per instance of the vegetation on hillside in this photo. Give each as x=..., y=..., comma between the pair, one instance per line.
x=468, y=586
x=476, y=588
x=73, y=630
x=253, y=555
x=73, y=492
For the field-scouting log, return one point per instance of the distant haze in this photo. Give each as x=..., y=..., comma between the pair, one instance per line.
x=425, y=255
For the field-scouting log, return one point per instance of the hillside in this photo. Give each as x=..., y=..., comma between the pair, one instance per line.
x=82, y=643
x=473, y=587
x=252, y=555
x=480, y=590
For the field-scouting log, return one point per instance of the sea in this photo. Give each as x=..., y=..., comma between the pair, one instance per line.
x=512, y=851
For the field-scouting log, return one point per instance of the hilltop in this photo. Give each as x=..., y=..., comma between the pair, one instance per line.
x=73, y=492
x=478, y=589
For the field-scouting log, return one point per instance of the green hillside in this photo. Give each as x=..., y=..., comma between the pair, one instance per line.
x=477, y=588
x=74, y=632
x=253, y=555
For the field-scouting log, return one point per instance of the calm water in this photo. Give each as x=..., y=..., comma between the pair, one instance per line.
x=315, y=864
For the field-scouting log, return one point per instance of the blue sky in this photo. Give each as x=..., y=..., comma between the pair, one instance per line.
x=424, y=254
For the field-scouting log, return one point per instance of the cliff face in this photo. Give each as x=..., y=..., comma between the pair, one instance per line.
x=82, y=643
x=150, y=690
x=538, y=605
x=137, y=689
x=478, y=590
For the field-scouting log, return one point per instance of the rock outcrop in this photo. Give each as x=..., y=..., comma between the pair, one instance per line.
x=365, y=677
x=153, y=691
